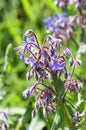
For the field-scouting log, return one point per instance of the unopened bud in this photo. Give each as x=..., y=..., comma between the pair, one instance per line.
x=67, y=52
x=28, y=32
x=71, y=61
x=78, y=63
x=33, y=113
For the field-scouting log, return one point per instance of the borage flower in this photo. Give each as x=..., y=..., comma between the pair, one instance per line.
x=43, y=60
x=77, y=117
x=71, y=84
x=61, y=26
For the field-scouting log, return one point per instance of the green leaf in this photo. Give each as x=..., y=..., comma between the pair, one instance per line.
x=59, y=85
x=59, y=118
x=8, y=58
x=28, y=10
x=37, y=123
x=81, y=106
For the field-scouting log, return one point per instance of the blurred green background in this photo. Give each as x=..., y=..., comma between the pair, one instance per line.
x=16, y=16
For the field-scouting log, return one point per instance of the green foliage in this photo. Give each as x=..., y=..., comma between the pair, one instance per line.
x=16, y=16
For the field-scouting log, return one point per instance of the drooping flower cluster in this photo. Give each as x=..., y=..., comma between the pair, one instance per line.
x=43, y=60
x=66, y=3
x=77, y=117
x=64, y=27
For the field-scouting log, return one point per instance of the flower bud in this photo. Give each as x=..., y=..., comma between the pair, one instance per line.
x=67, y=52
x=78, y=63
x=28, y=32
x=29, y=91
x=77, y=117
x=33, y=113
x=71, y=61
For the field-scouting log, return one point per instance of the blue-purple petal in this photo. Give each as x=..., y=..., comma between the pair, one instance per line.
x=30, y=47
x=24, y=39
x=35, y=64
x=22, y=57
x=59, y=66
x=52, y=52
x=32, y=39
x=56, y=15
x=47, y=21
x=51, y=67
x=64, y=14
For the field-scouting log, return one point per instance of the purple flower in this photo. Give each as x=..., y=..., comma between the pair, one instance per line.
x=29, y=60
x=61, y=26
x=47, y=21
x=22, y=57
x=77, y=117
x=67, y=52
x=47, y=61
x=24, y=39
x=73, y=85
x=57, y=66
x=57, y=63
x=63, y=14
x=29, y=91
x=52, y=51
x=56, y=15
x=33, y=62
x=32, y=39
x=71, y=61
x=51, y=23
x=78, y=63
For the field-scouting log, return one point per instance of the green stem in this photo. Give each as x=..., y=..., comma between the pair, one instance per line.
x=71, y=104
x=74, y=41
x=62, y=115
x=83, y=35
x=58, y=120
x=58, y=85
